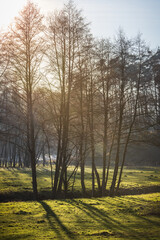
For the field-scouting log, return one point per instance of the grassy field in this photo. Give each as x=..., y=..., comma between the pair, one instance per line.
x=128, y=217
x=18, y=180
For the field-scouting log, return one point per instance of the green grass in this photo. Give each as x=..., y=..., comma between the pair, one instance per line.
x=18, y=180
x=127, y=217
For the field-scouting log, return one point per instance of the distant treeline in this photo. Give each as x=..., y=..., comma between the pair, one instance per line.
x=65, y=93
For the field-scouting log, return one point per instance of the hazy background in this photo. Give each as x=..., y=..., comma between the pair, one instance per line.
x=105, y=16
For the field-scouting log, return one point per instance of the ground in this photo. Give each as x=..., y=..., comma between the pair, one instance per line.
x=122, y=217
x=19, y=180
x=127, y=217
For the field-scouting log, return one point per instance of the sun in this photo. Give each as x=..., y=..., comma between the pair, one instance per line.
x=8, y=10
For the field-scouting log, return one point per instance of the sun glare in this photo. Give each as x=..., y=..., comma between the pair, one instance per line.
x=8, y=10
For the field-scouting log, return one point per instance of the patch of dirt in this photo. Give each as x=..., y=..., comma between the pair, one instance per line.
x=44, y=195
x=101, y=233
x=137, y=191
x=21, y=212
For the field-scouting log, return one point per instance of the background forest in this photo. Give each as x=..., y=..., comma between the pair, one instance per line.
x=68, y=99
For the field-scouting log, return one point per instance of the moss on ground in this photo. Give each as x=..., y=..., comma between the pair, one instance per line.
x=18, y=180
x=128, y=217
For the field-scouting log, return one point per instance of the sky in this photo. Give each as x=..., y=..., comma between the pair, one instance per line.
x=105, y=16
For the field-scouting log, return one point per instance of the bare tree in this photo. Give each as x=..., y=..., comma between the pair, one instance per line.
x=26, y=49
x=66, y=30
x=122, y=49
x=136, y=67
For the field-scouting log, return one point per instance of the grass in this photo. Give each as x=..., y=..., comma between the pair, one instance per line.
x=18, y=180
x=128, y=217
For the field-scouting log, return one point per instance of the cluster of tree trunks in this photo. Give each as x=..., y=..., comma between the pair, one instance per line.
x=64, y=93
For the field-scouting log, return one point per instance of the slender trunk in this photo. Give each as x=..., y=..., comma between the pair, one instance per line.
x=50, y=161
x=19, y=159
x=31, y=136
x=130, y=130
x=104, y=154
x=82, y=169
x=105, y=103
x=44, y=159
x=33, y=158
x=82, y=137
x=93, y=180
x=57, y=170
x=112, y=188
x=109, y=158
x=98, y=178
x=14, y=155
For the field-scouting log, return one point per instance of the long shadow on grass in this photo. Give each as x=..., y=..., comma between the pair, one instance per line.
x=130, y=210
x=106, y=221
x=145, y=206
x=52, y=217
x=137, y=212
x=16, y=237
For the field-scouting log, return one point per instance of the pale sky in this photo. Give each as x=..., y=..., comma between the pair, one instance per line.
x=105, y=16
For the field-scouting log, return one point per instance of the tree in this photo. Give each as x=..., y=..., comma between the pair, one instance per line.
x=121, y=54
x=66, y=31
x=26, y=46
x=104, y=55
x=134, y=84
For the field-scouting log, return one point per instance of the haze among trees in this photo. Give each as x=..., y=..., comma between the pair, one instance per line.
x=65, y=94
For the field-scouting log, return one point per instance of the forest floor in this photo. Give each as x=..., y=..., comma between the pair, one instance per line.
x=122, y=217
x=16, y=183
x=126, y=217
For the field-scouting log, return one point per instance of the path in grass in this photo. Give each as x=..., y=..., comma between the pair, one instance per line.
x=127, y=217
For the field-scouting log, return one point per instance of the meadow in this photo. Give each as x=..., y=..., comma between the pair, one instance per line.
x=128, y=217
x=122, y=217
x=17, y=180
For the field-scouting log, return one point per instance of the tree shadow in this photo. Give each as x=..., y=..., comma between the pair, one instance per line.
x=102, y=218
x=16, y=237
x=54, y=220
x=142, y=215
